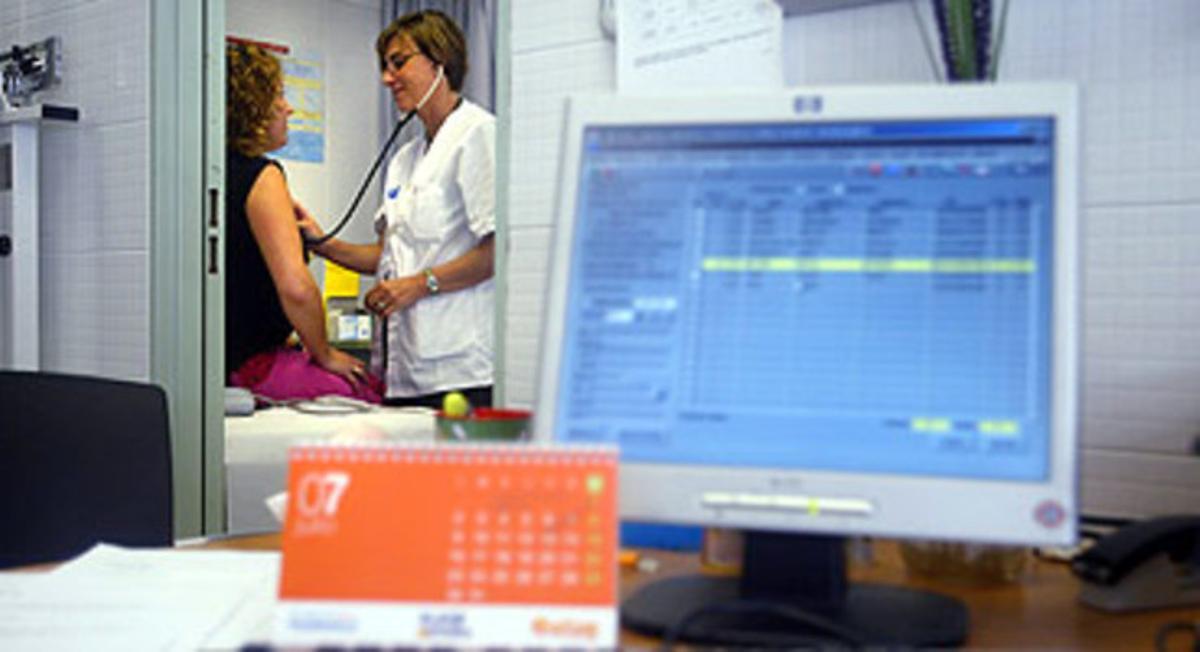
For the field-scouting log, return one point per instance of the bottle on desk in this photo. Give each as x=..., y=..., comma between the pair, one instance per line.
x=970, y=563
x=721, y=550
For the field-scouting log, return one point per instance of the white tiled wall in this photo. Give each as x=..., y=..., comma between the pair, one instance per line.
x=1138, y=64
x=95, y=198
x=557, y=49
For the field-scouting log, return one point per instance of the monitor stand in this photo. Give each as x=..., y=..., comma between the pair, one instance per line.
x=794, y=592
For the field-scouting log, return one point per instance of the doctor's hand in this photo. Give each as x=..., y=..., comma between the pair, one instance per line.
x=394, y=294
x=308, y=225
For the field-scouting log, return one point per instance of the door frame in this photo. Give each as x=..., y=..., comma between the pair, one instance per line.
x=187, y=118
x=502, y=71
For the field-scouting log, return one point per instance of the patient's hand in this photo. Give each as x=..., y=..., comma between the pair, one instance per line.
x=344, y=365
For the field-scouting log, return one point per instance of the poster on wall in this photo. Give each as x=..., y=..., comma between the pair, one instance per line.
x=304, y=88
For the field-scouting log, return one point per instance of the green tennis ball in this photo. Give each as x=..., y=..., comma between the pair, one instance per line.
x=456, y=406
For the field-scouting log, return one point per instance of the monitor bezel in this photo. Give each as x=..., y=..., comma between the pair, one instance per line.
x=1015, y=512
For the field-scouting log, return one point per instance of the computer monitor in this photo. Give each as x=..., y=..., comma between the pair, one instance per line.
x=822, y=311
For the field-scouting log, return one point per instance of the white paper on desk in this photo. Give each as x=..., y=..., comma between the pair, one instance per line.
x=98, y=615
x=116, y=598
x=167, y=566
x=665, y=45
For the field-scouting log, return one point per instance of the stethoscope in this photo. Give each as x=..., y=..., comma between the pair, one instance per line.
x=316, y=242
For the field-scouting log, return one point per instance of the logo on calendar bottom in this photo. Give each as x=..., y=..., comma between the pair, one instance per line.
x=565, y=628
x=452, y=624
x=322, y=621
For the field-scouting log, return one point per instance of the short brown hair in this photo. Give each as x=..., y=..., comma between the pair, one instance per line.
x=253, y=78
x=436, y=36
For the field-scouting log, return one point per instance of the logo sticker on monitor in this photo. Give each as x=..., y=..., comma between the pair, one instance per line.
x=1049, y=513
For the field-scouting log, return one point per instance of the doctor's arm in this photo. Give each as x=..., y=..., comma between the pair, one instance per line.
x=362, y=258
x=269, y=209
x=475, y=266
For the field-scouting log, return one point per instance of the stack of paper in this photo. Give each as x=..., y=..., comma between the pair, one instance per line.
x=138, y=599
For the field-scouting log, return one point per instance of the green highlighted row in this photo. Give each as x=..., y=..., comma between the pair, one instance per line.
x=873, y=265
x=938, y=425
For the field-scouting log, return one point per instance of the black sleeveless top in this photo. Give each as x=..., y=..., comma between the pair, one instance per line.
x=254, y=318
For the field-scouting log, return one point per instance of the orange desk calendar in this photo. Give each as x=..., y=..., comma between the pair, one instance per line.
x=450, y=545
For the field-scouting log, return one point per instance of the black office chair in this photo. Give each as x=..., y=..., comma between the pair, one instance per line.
x=82, y=460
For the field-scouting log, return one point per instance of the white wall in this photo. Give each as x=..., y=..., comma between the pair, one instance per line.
x=344, y=32
x=95, y=202
x=1138, y=64
x=557, y=49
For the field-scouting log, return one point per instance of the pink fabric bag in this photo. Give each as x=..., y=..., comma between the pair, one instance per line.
x=285, y=374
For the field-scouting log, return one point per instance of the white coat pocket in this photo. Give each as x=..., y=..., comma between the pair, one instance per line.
x=441, y=328
x=428, y=219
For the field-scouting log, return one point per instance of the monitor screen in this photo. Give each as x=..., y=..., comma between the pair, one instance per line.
x=843, y=310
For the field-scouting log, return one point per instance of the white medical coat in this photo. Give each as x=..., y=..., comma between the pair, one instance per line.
x=439, y=202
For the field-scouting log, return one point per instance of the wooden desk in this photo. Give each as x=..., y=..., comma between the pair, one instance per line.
x=1039, y=612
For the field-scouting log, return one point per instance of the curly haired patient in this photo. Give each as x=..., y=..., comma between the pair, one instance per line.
x=269, y=291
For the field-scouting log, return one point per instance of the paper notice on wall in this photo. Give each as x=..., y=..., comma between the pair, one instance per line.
x=669, y=45
x=304, y=89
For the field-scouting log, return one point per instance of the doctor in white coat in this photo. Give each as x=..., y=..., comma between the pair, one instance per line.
x=434, y=257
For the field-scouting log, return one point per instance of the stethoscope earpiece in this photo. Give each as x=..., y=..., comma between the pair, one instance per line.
x=437, y=81
x=441, y=76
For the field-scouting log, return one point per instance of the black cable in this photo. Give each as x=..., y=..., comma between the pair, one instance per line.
x=1181, y=626
x=939, y=16
x=822, y=625
x=383, y=352
x=981, y=11
x=316, y=242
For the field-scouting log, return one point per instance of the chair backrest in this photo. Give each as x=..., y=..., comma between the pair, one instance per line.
x=82, y=460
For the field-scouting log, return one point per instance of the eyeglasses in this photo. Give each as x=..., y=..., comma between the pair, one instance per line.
x=397, y=61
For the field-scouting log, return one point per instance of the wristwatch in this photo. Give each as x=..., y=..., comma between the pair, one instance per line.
x=431, y=282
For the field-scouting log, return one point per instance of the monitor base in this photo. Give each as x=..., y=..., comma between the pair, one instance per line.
x=876, y=614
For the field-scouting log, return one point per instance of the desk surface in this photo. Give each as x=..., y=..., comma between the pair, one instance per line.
x=1038, y=612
